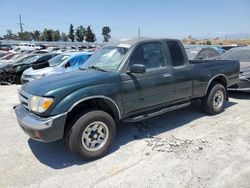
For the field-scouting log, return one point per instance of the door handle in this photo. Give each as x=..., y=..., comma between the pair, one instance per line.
x=166, y=75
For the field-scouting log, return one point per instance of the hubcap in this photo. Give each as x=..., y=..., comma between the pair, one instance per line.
x=95, y=136
x=218, y=99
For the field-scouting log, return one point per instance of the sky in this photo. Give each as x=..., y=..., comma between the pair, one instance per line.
x=156, y=18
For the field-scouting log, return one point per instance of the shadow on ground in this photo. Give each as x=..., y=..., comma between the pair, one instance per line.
x=57, y=156
x=239, y=95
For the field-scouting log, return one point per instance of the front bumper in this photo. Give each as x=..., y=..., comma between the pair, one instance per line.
x=42, y=129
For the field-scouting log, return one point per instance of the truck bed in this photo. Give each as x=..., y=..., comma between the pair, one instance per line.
x=204, y=70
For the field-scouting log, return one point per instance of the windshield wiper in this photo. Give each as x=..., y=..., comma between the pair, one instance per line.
x=96, y=68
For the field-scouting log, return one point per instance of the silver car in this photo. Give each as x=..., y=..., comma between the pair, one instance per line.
x=60, y=64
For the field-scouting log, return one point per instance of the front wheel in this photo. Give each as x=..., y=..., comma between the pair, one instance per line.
x=92, y=135
x=215, y=99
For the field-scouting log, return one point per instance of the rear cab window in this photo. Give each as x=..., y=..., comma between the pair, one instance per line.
x=176, y=53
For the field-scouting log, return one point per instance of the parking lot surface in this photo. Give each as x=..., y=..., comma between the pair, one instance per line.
x=183, y=148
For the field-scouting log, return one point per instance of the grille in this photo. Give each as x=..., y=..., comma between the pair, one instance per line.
x=24, y=99
x=244, y=83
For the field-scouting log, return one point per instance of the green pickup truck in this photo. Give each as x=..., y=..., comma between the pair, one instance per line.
x=129, y=82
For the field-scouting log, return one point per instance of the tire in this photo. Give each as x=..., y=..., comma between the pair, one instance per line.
x=18, y=78
x=214, y=101
x=90, y=128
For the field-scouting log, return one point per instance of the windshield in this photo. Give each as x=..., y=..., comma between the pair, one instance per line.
x=30, y=59
x=57, y=60
x=23, y=59
x=241, y=55
x=107, y=58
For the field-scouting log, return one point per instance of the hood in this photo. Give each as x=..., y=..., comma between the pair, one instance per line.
x=4, y=65
x=46, y=70
x=69, y=82
x=5, y=61
x=21, y=63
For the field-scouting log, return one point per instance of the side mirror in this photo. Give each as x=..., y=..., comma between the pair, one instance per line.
x=138, y=68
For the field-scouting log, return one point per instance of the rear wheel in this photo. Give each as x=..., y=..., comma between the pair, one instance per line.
x=215, y=99
x=92, y=135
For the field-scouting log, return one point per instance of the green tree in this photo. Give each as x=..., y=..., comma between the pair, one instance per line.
x=25, y=36
x=80, y=33
x=56, y=35
x=64, y=37
x=48, y=34
x=71, y=33
x=90, y=36
x=36, y=35
x=106, y=33
x=8, y=35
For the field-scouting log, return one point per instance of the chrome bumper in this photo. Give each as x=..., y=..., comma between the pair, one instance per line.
x=38, y=128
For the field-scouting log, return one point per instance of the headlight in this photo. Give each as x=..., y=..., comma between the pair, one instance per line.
x=38, y=76
x=40, y=104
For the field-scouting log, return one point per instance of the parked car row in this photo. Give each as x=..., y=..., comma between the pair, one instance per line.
x=38, y=64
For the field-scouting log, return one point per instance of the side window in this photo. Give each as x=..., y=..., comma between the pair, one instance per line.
x=150, y=55
x=44, y=58
x=213, y=53
x=203, y=54
x=76, y=61
x=176, y=53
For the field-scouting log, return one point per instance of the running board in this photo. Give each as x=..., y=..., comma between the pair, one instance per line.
x=162, y=111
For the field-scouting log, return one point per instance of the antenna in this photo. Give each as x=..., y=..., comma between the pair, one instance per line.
x=139, y=32
x=20, y=23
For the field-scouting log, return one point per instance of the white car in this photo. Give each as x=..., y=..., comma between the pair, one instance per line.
x=60, y=64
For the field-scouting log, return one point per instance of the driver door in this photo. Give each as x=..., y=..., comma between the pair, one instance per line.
x=142, y=91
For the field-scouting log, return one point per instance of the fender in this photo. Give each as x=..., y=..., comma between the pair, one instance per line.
x=210, y=81
x=96, y=97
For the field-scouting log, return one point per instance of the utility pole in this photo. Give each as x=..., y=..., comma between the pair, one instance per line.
x=20, y=23
x=139, y=32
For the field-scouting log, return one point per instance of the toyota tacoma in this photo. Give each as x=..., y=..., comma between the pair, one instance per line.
x=128, y=82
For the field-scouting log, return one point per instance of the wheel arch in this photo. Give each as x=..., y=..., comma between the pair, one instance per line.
x=220, y=79
x=95, y=102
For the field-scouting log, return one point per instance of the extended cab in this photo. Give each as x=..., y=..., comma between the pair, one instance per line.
x=129, y=82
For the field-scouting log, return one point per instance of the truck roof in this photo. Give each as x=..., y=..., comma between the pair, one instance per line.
x=127, y=43
x=73, y=54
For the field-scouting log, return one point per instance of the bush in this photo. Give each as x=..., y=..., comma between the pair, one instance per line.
x=208, y=42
